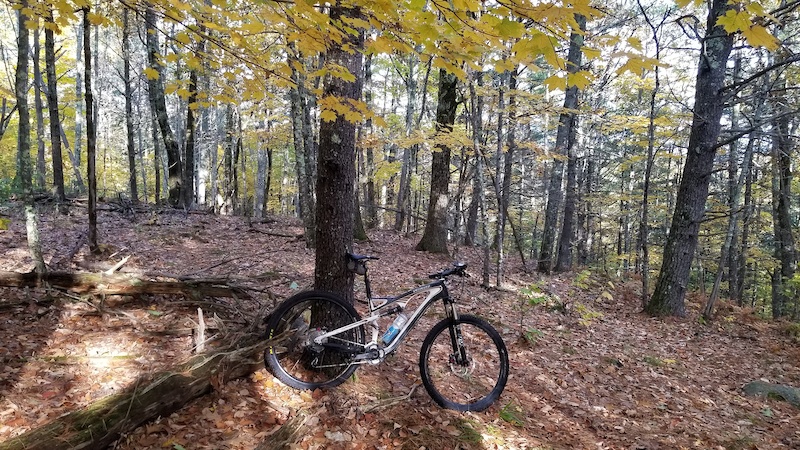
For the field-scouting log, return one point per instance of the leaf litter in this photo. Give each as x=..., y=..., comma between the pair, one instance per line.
x=593, y=372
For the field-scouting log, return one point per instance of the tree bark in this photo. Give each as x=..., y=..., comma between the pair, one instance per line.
x=230, y=156
x=159, y=104
x=75, y=156
x=101, y=423
x=41, y=167
x=434, y=238
x=564, y=140
x=336, y=166
x=91, y=134
x=567, y=239
x=120, y=284
x=404, y=191
x=478, y=193
x=670, y=289
x=298, y=96
x=52, y=108
x=23, y=179
x=126, y=75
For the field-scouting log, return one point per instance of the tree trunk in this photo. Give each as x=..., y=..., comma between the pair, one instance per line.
x=499, y=235
x=476, y=114
x=91, y=171
x=785, y=251
x=158, y=103
x=126, y=75
x=23, y=178
x=670, y=289
x=434, y=238
x=75, y=155
x=565, y=136
x=336, y=166
x=41, y=168
x=229, y=167
x=735, y=188
x=189, y=152
x=567, y=239
x=404, y=192
x=370, y=202
x=101, y=423
x=52, y=108
x=302, y=149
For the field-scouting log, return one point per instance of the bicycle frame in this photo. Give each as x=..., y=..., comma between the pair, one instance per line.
x=436, y=290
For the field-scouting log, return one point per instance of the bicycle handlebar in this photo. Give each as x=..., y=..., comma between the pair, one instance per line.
x=458, y=268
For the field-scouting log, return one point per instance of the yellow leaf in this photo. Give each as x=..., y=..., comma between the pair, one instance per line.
x=758, y=36
x=582, y=79
x=508, y=28
x=96, y=19
x=504, y=65
x=183, y=37
x=4, y=223
x=150, y=73
x=591, y=53
x=555, y=82
x=328, y=115
x=734, y=21
x=635, y=43
x=253, y=27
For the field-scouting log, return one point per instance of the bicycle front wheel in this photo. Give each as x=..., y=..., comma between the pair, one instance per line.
x=464, y=364
x=295, y=359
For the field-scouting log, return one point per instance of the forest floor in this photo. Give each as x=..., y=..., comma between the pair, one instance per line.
x=588, y=370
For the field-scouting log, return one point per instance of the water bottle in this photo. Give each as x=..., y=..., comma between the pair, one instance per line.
x=398, y=323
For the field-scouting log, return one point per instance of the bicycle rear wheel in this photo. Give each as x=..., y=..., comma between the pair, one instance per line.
x=295, y=359
x=464, y=364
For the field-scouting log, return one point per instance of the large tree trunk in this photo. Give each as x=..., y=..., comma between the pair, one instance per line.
x=52, y=108
x=101, y=423
x=569, y=120
x=336, y=166
x=434, y=238
x=670, y=289
x=159, y=105
x=24, y=174
x=565, y=135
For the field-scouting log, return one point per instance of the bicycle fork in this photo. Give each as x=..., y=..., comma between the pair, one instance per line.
x=459, y=355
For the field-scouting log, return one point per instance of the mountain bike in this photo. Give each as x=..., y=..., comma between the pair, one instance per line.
x=320, y=340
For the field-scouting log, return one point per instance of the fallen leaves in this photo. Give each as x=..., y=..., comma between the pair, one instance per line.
x=615, y=380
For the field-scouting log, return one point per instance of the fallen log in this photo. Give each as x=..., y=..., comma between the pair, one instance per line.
x=120, y=284
x=772, y=390
x=101, y=423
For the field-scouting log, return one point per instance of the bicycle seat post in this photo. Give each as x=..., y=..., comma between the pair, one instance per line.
x=367, y=287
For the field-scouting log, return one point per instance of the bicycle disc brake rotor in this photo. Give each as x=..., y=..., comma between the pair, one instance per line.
x=462, y=370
